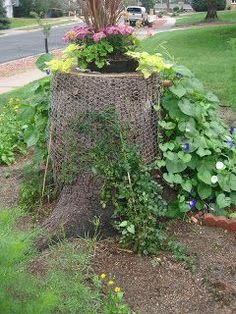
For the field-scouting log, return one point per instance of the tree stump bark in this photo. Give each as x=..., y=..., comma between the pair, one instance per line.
x=133, y=98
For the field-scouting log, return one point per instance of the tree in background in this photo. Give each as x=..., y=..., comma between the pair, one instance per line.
x=212, y=7
x=148, y=4
x=45, y=27
x=4, y=21
x=130, y=2
x=24, y=8
x=209, y=6
x=43, y=8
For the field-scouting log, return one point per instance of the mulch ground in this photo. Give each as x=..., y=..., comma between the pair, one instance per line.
x=161, y=285
x=10, y=179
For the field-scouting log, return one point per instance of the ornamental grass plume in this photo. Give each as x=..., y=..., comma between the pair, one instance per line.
x=99, y=14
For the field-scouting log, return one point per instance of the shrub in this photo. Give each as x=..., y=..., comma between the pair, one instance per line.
x=54, y=13
x=4, y=22
x=11, y=132
x=201, y=5
x=176, y=9
x=23, y=124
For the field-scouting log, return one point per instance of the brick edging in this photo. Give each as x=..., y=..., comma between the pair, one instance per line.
x=219, y=222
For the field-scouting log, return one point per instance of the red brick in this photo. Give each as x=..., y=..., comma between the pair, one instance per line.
x=220, y=222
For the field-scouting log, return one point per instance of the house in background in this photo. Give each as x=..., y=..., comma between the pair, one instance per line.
x=8, y=5
x=232, y=4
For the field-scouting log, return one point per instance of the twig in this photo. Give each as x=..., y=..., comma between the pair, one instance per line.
x=46, y=168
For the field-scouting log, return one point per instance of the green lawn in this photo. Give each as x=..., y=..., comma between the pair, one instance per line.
x=193, y=18
x=206, y=52
x=31, y=22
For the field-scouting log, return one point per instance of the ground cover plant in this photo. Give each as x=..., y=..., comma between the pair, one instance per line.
x=24, y=126
x=198, y=148
x=197, y=18
x=11, y=130
x=206, y=52
x=63, y=284
x=23, y=122
x=25, y=295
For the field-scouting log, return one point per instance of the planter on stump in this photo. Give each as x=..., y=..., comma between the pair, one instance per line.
x=133, y=98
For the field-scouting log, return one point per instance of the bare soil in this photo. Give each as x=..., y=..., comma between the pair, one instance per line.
x=10, y=178
x=159, y=285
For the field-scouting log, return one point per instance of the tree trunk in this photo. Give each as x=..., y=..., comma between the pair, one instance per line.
x=211, y=11
x=168, y=5
x=46, y=45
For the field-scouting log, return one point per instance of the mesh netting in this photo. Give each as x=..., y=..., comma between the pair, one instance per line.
x=132, y=96
x=77, y=93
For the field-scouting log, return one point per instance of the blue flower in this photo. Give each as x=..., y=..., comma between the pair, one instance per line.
x=192, y=203
x=186, y=147
x=179, y=75
x=229, y=142
x=231, y=130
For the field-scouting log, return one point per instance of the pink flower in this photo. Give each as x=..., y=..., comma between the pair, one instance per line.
x=112, y=30
x=119, y=29
x=82, y=32
x=99, y=36
x=126, y=30
x=69, y=36
x=77, y=33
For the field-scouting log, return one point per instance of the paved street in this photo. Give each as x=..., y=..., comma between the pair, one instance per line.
x=21, y=45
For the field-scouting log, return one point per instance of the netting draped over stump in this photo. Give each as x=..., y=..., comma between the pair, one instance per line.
x=133, y=98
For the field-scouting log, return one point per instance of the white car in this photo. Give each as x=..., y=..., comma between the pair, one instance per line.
x=136, y=13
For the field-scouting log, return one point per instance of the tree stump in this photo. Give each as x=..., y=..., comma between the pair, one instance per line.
x=133, y=98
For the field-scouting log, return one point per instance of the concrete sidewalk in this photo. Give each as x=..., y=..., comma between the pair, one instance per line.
x=8, y=84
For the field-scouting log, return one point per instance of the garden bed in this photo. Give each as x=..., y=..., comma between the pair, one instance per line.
x=161, y=285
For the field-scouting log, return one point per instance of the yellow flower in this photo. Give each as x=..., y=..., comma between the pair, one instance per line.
x=110, y=282
x=11, y=100
x=117, y=289
x=103, y=276
x=17, y=99
x=16, y=108
x=63, y=66
x=70, y=49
